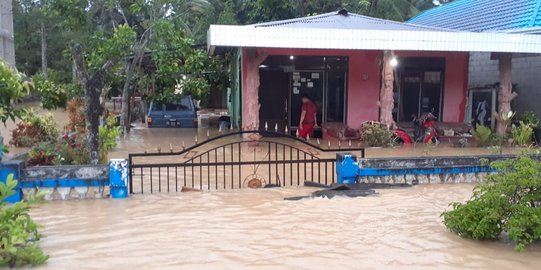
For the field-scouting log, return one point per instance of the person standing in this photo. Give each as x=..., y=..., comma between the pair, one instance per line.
x=308, y=117
x=481, y=112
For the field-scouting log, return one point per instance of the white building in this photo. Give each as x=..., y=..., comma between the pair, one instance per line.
x=7, y=45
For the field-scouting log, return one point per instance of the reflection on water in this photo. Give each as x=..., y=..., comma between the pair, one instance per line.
x=257, y=229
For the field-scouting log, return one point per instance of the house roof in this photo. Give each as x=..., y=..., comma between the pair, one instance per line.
x=345, y=20
x=483, y=16
x=340, y=30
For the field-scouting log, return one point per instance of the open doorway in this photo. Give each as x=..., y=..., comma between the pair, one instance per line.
x=283, y=80
x=421, y=88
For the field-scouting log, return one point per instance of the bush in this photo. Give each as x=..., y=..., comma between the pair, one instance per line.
x=53, y=96
x=529, y=118
x=522, y=134
x=42, y=154
x=34, y=128
x=72, y=148
x=482, y=135
x=375, y=134
x=510, y=201
x=76, y=115
x=19, y=236
x=109, y=133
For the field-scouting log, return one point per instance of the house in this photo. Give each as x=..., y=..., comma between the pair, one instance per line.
x=7, y=45
x=355, y=68
x=504, y=16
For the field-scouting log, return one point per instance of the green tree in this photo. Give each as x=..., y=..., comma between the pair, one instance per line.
x=92, y=74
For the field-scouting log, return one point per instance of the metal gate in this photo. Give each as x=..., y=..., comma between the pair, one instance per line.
x=237, y=160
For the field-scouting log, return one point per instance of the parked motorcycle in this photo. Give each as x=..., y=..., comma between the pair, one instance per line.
x=424, y=130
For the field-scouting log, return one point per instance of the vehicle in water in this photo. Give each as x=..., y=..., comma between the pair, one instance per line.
x=180, y=114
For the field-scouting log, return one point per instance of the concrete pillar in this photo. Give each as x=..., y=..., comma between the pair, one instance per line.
x=118, y=178
x=12, y=169
x=506, y=94
x=386, y=98
x=250, y=112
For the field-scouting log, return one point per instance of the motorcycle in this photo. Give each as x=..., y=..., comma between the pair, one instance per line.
x=424, y=130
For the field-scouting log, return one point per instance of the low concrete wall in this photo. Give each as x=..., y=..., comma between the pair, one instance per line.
x=428, y=170
x=66, y=182
x=449, y=178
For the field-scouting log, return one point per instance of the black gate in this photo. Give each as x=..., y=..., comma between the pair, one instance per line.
x=236, y=160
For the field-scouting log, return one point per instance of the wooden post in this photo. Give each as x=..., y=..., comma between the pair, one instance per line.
x=386, y=98
x=250, y=115
x=505, y=94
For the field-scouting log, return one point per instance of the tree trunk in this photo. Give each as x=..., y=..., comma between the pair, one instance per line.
x=92, y=115
x=93, y=111
x=125, y=112
x=506, y=94
x=125, y=107
x=386, y=98
x=250, y=116
x=44, y=68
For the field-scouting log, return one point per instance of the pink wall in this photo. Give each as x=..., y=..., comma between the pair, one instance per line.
x=365, y=79
x=362, y=94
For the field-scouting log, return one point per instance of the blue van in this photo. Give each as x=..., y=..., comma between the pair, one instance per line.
x=181, y=114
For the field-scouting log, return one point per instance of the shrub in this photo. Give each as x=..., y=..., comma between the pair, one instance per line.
x=76, y=115
x=522, y=134
x=42, y=154
x=19, y=236
x=375, y=134
x=72, y=148
x=482, y=135
x=510, y=201
x=109, y=133
x=34, y=128
x=529, y=118
x=53, y=96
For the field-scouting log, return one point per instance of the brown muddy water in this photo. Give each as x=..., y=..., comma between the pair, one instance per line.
x=142, y=139
x=257, y=229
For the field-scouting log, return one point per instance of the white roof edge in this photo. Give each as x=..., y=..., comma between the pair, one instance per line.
x=356, y=39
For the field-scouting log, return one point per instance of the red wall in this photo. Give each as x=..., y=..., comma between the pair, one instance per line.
x=365, y=79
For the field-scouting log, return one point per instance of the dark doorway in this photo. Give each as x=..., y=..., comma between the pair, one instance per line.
x=421, y=90
x=312, y=84
x=283, y=80
x=273, y=94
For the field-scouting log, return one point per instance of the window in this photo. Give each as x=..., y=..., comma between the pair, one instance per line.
x=183, y=105
x=156, y=106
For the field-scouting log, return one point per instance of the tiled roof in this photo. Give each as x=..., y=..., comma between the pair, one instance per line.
x=483, y=15
x=344, y=20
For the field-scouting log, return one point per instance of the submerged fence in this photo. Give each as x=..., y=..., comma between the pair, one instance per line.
x=237, y=160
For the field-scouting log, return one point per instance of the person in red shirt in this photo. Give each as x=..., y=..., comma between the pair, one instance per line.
x=308, y=117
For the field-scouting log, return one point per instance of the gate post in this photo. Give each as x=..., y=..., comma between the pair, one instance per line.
x=12, y=167
x=118, y=178
x=347, y=168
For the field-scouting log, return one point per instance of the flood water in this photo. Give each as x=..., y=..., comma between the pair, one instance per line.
x=257, y=229
x=142, y=139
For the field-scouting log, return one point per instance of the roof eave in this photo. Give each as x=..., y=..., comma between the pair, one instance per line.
x=357, y=39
